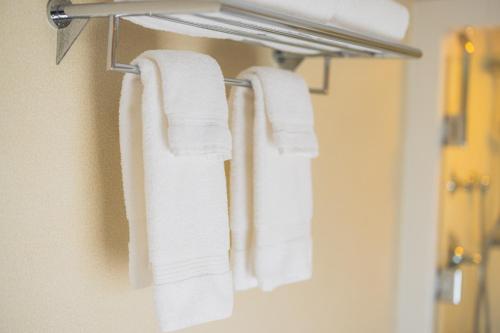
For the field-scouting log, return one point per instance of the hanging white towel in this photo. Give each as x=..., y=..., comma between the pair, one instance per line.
x=271, y=191
x=174, y=139
x=383, y=18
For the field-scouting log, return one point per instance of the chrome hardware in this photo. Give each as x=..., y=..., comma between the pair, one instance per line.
x=252, y=24
x=449, y=289
x=455, y=126
x=474, y=182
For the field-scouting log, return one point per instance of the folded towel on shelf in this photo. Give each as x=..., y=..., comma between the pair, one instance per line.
x=173, y=154
x=381, y=18
x=271, y=191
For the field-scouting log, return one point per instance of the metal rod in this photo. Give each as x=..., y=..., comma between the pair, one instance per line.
x=455, y=125
x=326, y=78
x=111, y=64
x=319, y=30
x=238, y=82
x=134, y=8
x=248, y=36
x=464, y=85
x=304, y=41
x=307, y=41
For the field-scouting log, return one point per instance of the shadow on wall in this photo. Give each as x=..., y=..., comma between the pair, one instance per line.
x=233, y=57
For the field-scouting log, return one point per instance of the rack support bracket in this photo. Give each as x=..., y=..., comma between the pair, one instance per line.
x=286, y=60
x=68, y=29
x=290, y=61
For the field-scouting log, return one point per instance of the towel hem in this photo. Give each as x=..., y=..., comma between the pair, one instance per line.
x=194, y=301
x=180, y=324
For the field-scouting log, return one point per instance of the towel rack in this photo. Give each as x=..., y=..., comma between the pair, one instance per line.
x=235, y=18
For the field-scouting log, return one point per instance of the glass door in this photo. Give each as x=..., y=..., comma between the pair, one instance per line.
x=469, y=242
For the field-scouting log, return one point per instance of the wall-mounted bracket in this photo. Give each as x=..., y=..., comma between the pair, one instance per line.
x=68, y=29
x=291, y=61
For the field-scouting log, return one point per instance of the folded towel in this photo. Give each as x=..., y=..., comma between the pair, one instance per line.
x=271, y=194
x=173, y=156
x=382, y=18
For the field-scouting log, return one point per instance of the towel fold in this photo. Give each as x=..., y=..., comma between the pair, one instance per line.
x=382, y=18
x=174, y=183
x=289, y=111
x=271, y=192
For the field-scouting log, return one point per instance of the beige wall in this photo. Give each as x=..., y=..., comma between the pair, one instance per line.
x=63, y=246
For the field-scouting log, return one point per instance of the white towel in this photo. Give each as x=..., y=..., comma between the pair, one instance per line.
x=382, y=18
x=271, y=194
x=173, y=154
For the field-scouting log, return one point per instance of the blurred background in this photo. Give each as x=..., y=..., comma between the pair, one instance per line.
x=470, y=193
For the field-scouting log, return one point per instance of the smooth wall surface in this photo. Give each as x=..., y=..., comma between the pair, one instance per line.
x=63, y=246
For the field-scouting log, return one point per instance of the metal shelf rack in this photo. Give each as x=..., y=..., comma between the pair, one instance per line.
x=229, y=19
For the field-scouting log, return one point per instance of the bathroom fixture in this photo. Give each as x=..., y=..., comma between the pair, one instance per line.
x=458, y=257
x=494, y=237
x=492, y=65
x=472, y=183
x=450, y=277
x=449, y=288
x=455, y=126
x=252, y=24
x=482, y=309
